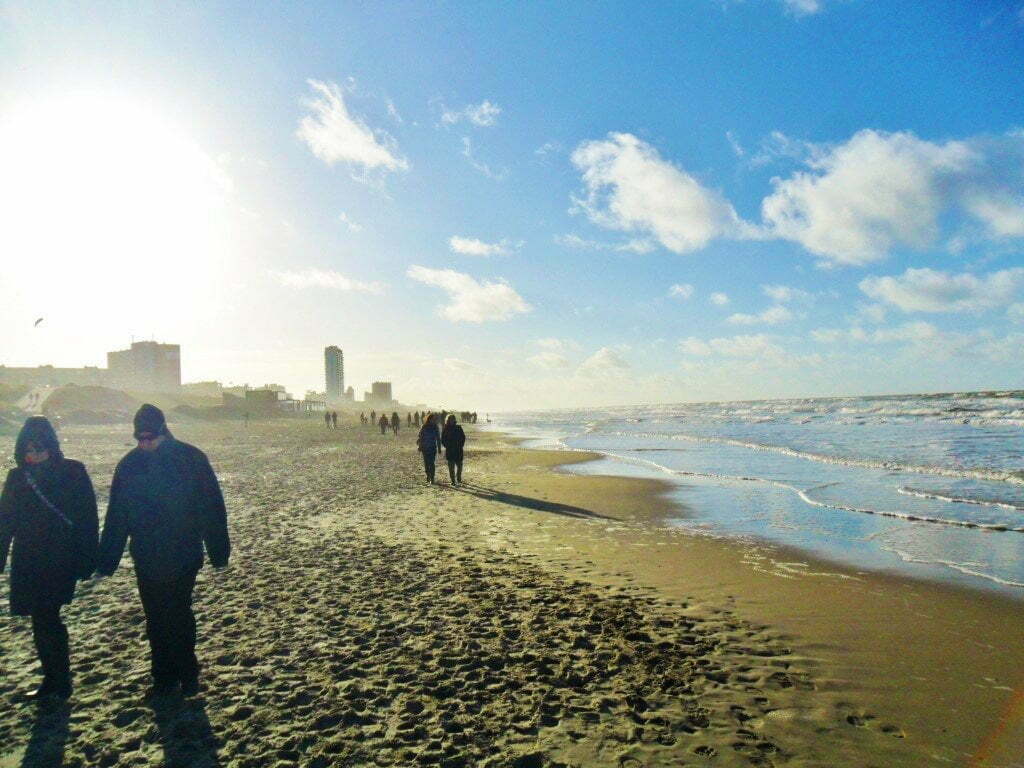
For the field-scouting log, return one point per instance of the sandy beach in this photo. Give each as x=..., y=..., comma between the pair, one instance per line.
x=531, y=618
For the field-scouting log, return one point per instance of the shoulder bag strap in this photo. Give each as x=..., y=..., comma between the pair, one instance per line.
x=46, y=502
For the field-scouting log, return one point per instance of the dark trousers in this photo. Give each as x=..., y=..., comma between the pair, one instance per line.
x=429, y=457
x=455, y=470
x=171, y=627
x=51, y=639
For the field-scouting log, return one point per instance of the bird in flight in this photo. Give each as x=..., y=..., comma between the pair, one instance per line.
x=37, y=322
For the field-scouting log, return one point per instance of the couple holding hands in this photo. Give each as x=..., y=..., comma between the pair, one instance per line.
x=164, y=497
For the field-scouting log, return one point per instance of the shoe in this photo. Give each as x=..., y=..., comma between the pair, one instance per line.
x=190, y=687
x=43, y=691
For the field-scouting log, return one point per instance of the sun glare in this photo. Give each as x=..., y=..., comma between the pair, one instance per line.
x=103, y=199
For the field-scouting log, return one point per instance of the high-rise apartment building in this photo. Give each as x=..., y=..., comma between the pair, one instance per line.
x=334, y=370
x=381, y=391
x=146, y=366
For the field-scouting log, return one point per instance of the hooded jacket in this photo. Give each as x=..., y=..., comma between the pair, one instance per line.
x=49, y=555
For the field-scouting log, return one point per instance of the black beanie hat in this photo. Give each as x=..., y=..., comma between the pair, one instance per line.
x=149, y=418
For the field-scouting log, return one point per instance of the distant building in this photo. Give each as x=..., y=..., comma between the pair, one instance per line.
x=381, y=391
x=350, y=395
x=334, y=371
x=203, y=388
x=146, y=366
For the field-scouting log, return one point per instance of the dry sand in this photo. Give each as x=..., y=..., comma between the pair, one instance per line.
x=530, y=619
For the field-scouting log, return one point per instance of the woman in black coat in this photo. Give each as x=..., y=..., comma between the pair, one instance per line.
x=48, y=509
x=453, y=438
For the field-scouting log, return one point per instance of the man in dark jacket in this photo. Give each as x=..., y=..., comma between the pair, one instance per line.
x=165, y=496
x=453, y=438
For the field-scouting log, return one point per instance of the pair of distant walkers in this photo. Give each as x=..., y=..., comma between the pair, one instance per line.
x=430, y=441
x=164, y=498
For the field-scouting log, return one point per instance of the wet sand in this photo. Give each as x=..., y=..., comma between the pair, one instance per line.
x=533, y=618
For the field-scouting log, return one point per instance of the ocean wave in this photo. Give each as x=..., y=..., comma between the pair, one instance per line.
x=806, y=498
x=965, y=568
x=1004, y=476
x=939, y=496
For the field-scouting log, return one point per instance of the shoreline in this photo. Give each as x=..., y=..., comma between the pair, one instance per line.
x=943, y=657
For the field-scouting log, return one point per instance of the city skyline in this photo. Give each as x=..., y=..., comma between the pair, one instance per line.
x=710, y=201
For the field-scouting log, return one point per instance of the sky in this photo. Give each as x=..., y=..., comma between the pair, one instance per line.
x=503, y=206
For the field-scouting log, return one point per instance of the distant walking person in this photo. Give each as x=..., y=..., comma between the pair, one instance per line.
x=334, y=419
x=166, y=498
x=327, y=419
x=429, y=443
x=373, y=417
x=383, y=423
x=453, y=438
x=408, y=419
x=48, y=508
x=396, y=422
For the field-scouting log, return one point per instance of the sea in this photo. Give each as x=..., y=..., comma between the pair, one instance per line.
x=930, y=486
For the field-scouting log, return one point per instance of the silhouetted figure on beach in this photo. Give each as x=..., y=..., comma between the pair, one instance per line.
x=383, y=423
x=429, y=444
x=373, y=417
x=396, y=422
x=453, y=438
x=48, y=509
x=165, y=497
x=334, y=419
x=327, y=419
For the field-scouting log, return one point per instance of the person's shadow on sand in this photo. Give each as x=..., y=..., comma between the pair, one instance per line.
x=185, y=732
x=528, y=502
x=50, y=733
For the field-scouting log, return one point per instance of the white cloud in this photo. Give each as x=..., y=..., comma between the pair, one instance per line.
x=928, y=290
x=1003, y=213
x=742, y=346
x=547, y=147
x=803, y=7
x=681, y=291
x=630, y=188
x=866, y=196
x=484, y=114
x=551, y=360
x=460, y=366
x=393, y=112
x=551, y=343
x=484, y=168
x=872, y=313
x=1016, y=312
x=851, y=203
x=928, y=341
x=719, y=299
x=472, y=301
x=783, y=293
x=879, y=191
x=470, y=246
x=637, y=245
x=324, y=278
x=605, y=360
x=352, y=226
x=734, y=144
x=771, y=316
x=335, y=136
